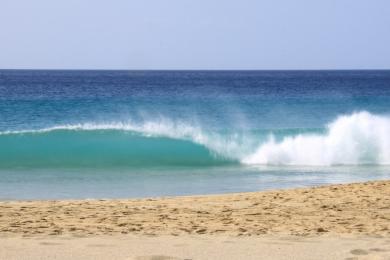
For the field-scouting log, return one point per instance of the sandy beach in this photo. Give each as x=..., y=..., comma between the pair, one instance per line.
x=350, y=221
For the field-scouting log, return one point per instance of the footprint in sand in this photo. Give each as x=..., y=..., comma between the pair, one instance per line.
x=359, y=252
x=378, y=250
x=50, y=244
x=158, y=257
x=99, y=245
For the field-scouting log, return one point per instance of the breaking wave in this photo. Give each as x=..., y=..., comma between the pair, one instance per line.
x=360, y=138
x=355, y=139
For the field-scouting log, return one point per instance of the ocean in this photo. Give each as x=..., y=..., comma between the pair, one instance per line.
x=130, y=134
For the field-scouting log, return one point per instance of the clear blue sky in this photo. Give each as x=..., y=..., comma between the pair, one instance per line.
x=195, y=34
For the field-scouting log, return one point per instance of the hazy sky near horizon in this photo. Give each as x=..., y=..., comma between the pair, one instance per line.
x=195, y=34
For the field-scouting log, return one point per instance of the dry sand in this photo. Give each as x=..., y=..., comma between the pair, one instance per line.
x=128, y=247
x=331, y=222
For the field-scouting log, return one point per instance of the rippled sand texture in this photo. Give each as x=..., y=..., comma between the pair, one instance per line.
x=361, y=208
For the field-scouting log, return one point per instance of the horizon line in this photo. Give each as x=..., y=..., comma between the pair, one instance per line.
x=87, y=69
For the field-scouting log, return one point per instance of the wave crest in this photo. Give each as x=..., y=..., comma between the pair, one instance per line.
x=355, y=139
x=359, y=138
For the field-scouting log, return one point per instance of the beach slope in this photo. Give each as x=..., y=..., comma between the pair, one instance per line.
x=350, y=218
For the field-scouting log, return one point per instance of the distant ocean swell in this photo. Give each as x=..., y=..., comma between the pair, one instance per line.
x=355, y=139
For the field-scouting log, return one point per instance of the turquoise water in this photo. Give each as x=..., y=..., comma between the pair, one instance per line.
x=110, y=134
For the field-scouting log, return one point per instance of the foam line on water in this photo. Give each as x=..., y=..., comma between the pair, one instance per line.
x=230, y=146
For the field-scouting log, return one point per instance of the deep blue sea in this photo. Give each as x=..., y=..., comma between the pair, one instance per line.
x=119, y=134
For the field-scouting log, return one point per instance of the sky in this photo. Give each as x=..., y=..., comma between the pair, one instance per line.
x=195, y=34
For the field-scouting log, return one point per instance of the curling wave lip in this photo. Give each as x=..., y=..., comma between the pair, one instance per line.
x=355, y=139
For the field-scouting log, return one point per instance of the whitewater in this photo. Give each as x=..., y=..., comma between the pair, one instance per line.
x=360, y=138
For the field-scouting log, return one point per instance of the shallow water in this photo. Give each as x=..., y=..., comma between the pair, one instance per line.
x=156, y=182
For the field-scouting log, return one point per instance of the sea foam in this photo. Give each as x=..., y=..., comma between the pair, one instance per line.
x=359, y=138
